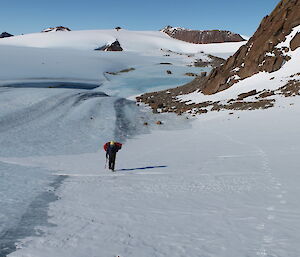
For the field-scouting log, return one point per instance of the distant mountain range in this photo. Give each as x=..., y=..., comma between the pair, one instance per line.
x=202, y=36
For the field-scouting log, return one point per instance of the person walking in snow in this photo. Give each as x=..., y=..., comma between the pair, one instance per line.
x=111, y=149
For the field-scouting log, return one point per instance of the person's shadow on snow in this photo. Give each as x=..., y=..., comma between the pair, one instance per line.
x=143, y=168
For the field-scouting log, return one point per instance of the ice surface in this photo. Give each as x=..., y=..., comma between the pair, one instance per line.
x=225, y=187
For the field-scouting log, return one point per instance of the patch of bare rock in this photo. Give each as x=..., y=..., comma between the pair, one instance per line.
x=120, y=72
x=114, y=47
x=5, y=34
x=58, y=28
x=213, y=62
x=202, y=36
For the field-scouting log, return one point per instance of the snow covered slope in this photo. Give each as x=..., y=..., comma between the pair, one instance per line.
x=137, y=41
x=206, y=192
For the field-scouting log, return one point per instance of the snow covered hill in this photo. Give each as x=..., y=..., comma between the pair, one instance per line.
x=136, y=41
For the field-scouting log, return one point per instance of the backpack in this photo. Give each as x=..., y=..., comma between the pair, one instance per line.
x=105, y=146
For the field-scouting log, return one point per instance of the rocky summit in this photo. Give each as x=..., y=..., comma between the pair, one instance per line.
x=202, y=36
x=5, y=34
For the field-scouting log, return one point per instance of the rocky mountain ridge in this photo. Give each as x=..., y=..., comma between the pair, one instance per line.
x=202, y=36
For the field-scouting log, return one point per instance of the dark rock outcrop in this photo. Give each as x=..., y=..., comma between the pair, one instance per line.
x=5, y=34
x=115, y=46
x=202, y=36
x=58, y=28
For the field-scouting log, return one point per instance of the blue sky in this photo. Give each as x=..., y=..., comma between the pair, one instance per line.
x=26, y=16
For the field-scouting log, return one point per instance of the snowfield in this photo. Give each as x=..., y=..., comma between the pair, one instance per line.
x=214, y=185
x=201, y=191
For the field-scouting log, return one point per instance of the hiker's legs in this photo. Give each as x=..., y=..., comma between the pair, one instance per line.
x=112, y=159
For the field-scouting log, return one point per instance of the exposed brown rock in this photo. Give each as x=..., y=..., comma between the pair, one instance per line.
x=292, y=88
x=202, y=37
x=295, y=43
x=115, y=46
x=244, y=95
x=266, y=94
x=260, y=52
x=169, y=72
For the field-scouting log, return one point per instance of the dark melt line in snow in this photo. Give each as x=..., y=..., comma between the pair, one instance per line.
x=36, y=215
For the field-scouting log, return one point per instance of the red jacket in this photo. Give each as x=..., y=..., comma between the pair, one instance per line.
x=105, y=146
